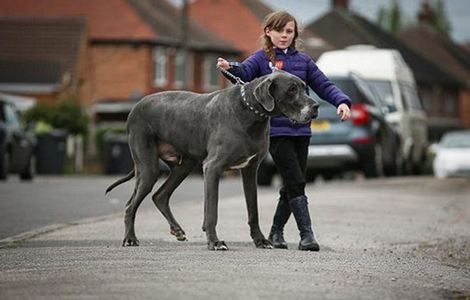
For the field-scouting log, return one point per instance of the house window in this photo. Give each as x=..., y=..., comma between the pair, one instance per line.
x=161, y=66
x=211, y=76
x=428, y=100
x=450, y=104
x=181, y=69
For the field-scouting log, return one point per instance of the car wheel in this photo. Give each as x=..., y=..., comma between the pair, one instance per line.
x=407, y=165
x=374, y=166
x=417, y=167
x=327, y=176
x=4, y=165
x=30, y=169
x=397, y=165
x=310, y=176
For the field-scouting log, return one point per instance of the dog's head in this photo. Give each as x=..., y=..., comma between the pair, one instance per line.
x=281, y=93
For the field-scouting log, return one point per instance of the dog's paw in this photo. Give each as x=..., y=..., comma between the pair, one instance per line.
x=179, y=234
x=130, y=242
x=263, y=244
x=217, y=246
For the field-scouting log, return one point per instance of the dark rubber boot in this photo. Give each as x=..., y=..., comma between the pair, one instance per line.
x=299, y=207
x=281, y=215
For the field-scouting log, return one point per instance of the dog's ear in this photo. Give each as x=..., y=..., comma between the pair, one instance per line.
x=263, y=95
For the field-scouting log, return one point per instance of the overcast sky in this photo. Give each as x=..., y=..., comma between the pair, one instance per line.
x=307, y=11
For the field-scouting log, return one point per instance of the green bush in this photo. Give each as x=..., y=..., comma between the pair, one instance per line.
x=102, y=132
x=65, y=114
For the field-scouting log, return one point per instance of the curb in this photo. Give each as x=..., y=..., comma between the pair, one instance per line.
x=16, y=240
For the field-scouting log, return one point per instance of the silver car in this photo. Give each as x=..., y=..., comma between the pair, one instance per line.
x=367, y=143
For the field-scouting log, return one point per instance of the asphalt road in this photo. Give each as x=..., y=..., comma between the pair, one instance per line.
x=51, y=200
x=401, y=238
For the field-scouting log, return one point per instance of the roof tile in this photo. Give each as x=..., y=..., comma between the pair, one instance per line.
x=39, y=50
x=110, y=19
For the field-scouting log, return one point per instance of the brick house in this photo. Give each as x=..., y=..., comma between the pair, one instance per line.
x=107, y=52
x=131, y=47
x=449, y=56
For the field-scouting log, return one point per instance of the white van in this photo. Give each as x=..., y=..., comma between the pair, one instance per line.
x=388, y=73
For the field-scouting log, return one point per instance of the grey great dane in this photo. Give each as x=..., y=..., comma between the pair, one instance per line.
x=224, y=130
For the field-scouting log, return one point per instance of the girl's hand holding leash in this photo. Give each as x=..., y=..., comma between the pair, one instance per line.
x=222, y=63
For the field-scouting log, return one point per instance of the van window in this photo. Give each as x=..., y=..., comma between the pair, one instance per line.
x=348, y=87
x=384, y=89
x=410, y=98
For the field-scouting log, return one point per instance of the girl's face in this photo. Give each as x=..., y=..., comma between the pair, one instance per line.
x=282, y=39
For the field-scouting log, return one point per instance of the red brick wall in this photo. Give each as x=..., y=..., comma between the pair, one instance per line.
x=464, y=100
x=118, y=70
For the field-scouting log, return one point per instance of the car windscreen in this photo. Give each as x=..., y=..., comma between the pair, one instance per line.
x=384, y=89
x=348, y=87
x=410, y=97
x=456, y=141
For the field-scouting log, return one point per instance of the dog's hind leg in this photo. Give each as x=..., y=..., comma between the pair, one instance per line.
x=146, y=173
x=162, y=197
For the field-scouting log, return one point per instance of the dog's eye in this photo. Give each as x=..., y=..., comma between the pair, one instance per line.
x=292, y=89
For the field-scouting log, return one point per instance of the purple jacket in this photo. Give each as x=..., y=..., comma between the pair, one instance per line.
x=301, y=65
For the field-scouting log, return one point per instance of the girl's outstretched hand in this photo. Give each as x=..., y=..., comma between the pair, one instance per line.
x=344, y=112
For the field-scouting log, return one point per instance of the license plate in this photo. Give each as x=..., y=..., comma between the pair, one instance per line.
x=320, y=125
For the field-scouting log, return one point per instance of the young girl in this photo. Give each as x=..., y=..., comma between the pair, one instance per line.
x=289, y=142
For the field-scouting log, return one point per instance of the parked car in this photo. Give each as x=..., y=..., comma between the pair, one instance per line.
x=387, y=71
x=453, y=155
x=16, y=144
x=367, y=142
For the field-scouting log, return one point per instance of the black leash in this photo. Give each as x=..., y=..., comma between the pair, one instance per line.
x=236, y=78
x=241, y=83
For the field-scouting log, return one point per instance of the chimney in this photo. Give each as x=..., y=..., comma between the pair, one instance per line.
x=426, y=15
x=340, y=4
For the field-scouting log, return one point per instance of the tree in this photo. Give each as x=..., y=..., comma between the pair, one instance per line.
x=442, y=20
x=432, y=13
x=66, y=114
x=391, y=19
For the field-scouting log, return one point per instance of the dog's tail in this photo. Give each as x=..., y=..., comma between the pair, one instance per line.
x=122, y=180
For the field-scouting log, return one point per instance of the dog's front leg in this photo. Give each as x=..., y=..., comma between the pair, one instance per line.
x=212, y=174
x=251, y=197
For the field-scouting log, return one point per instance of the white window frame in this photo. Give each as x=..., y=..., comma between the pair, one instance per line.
x=160, y=59
x=182, y=71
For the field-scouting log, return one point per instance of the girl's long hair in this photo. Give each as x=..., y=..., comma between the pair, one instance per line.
x=276, y=21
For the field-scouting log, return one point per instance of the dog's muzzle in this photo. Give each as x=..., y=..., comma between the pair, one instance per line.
x=309, y=112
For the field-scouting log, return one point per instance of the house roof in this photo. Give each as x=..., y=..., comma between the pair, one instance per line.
x=343, y=28
x=240, y=21
x=154, y=21
x=440, y=49
x=37, y=53
x=110, y=19
x=165, y=21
